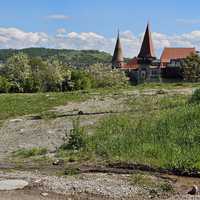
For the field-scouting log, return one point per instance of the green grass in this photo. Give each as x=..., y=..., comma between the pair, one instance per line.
x=169, y=139
x=147, y=181
x=176, y=85
x=161, y=131
x=12, y=105
x=27, y=153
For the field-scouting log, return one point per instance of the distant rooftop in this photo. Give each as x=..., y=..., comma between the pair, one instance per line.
x=176, y=53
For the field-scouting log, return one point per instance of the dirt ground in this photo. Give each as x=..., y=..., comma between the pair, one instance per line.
x=28, y=194
x=94, y=186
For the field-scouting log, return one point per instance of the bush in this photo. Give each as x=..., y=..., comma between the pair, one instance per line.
x=81, y=80
x=104, y=76
x=191, y=68
x=195, y=98
x=76, y=140
x=5, y=85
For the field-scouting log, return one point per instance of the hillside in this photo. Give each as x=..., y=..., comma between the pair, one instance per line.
x=65, y=55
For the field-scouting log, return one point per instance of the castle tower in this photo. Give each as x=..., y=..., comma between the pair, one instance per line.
x=118, y=59
x=147, y=53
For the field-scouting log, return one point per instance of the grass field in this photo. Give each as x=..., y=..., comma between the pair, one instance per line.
x=170, y=139
x=12, y=105
x=164, y=131
x=161, y=130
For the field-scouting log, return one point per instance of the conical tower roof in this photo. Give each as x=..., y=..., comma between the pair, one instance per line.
x=118, y=53
x=147, y=49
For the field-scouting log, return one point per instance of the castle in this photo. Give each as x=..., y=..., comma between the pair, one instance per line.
x=146, y=67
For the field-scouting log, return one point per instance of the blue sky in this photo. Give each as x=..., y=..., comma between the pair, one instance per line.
x=50, y=22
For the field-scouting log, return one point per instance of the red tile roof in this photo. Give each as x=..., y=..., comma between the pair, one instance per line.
x=132, y=64
x=176, y=53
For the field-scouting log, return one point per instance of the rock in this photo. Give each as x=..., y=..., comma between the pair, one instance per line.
x=38, y=181
x=16, y=120
x=80, y=113
x=44, y=194
x=12, y=184
x=58, y=162
x=194, y=190
x=21, y=131
x=51, y=132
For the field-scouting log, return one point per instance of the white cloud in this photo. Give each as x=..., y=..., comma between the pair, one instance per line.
x=17, y=38
x=58, y=17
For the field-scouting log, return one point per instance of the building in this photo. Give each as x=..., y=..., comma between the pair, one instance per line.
x=171, y=59
x=145, y=67
x=142, y=68
x=171, y=55
x=118, y=58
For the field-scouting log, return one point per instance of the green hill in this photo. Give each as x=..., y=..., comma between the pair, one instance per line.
x=65, y=55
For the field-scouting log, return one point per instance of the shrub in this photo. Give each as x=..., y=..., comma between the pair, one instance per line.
x=81, y=80
x=5, y=85
x=191, y=68
x=104, y=76
x=76, y=140
x=195, y=98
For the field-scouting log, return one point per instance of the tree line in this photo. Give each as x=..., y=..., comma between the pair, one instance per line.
x=21, y=73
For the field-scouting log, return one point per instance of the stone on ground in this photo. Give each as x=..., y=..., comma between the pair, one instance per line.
x=12, y=184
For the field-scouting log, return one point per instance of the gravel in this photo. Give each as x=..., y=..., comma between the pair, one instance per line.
x=105, y=185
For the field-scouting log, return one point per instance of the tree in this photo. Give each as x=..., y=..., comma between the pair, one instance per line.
x=53, y=76
x=105, y=76
x=18, y=71
x=48, y=75
x=81, y=80
x=191, y=68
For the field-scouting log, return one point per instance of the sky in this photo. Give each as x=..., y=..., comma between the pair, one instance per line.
x=93, y=24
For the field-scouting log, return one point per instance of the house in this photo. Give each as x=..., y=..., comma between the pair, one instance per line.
x=142, y=68
x=171, y=59
x=175, y=54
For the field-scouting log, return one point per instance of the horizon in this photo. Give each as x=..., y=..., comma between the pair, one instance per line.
x=92, y=25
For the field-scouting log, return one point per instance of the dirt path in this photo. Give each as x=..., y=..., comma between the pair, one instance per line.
x=109, y=186
x=95, y=186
